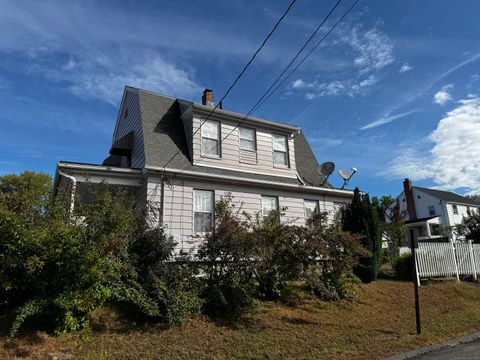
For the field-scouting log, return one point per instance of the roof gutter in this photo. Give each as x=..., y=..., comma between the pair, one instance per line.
x=195, y=174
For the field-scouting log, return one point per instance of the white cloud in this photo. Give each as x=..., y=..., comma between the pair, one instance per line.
x=370, y=81
x=387, y=119
x=451, y=154
x=404, y=68
x=443, y=96
x=373, y=48
x=298, y=84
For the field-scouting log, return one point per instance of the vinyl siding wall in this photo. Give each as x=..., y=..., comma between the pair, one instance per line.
x=129, y=123
x=178, y=205
x=233, y=158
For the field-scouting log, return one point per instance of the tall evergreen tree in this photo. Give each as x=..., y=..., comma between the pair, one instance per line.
x=361, y=217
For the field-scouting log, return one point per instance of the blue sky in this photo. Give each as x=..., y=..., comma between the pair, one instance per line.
x=394, y=91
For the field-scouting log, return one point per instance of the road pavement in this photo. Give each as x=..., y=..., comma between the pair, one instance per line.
x=465, y=351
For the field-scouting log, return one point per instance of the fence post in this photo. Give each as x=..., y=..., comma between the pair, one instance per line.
x=472, y=260
x=456, y=261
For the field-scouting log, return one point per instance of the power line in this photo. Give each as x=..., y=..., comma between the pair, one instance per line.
x=308, y=54
x=240, y=74
x=265, y=97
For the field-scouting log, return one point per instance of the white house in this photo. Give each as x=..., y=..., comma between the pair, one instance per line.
x=429, y=212
x=182, y=157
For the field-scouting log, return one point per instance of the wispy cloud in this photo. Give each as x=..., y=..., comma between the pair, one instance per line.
x=443, y=96
x=404, y=68
x=368, y=51
x=450, y=155
x=386, y=120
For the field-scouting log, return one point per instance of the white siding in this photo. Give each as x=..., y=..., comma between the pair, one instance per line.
x=232, y=158
x=178, y=205
x=129, y=123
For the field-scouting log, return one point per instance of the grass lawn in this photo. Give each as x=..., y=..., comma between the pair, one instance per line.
x=378, y=323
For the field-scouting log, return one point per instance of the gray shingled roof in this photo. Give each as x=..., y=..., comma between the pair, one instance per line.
x=448, y=196
x=164, y=135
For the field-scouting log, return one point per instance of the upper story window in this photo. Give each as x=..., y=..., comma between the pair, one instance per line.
x=202, y=211
x=311, y=208
x=431, y=210
x=247, y=139
x=269, y=204
x=455, y=209
x=211, y=138
x=280, y=156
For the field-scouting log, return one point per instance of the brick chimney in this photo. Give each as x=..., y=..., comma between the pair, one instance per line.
x=207, y=98
x=407, y=187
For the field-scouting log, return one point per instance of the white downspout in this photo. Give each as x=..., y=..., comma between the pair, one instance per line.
x=74, y=188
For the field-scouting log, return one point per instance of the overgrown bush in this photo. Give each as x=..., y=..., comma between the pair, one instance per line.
x=227, y=254
x=402, y=267
x=331, y=255
x=64, y=267
x=278, y=254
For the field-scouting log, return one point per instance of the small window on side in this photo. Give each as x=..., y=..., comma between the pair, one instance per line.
x=455, y=209
x=211, y=138
x=203, y=206
x=311, y=208
x=247, y=139
x=280, y=155
x=269, y=204
x=431, y=210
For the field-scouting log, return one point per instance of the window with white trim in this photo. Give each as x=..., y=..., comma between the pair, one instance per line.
x=455, y=209
x=211, y=138
x=280, y=156
x=311, y=208
x=202, y=211
x=269, y=204
x=247, y=139
x=431, y=210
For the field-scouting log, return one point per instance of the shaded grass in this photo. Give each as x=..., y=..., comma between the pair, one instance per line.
x=378, y=322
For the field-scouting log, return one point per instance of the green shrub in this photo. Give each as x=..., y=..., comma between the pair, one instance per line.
x=65, y=267
x=331, y=254
x=360, y=217
x=226, y=255
x=278, y=254
x=403, y=267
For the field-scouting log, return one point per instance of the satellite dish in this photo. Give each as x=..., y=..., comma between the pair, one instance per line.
x=325, y=170
x=346, y=176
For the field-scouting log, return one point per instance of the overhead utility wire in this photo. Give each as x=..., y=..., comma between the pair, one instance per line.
x=239, y=75
x=264, y=97
x=308, y=54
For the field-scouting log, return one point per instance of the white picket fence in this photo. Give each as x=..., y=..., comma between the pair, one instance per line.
x=447, y=259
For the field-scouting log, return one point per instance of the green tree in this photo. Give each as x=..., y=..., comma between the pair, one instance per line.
x=360, y=217
x=471, y=226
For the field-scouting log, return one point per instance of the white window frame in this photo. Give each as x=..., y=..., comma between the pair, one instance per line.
x=254, y=139
x=317, y=208
x=212, y=212
x=206, y=152
x=431, y=210
x=455, y=209
x=287, y=160
x=264, y=215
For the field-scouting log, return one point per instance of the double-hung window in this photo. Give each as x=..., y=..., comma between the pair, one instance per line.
x=247, y=139
x=202, y=211
x=311, y=208
x=455, y=209
x=211, y=138
x=431, y=210
x=280, y=156
x=269, y=204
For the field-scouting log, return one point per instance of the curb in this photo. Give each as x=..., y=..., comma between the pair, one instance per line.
x=440, y=346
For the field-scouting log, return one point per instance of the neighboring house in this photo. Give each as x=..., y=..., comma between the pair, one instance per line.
x=167, y=158
x=431, y=212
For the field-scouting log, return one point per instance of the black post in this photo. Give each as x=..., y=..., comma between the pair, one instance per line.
x=413, y=246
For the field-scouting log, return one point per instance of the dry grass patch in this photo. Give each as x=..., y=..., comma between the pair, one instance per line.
x=379, y=322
